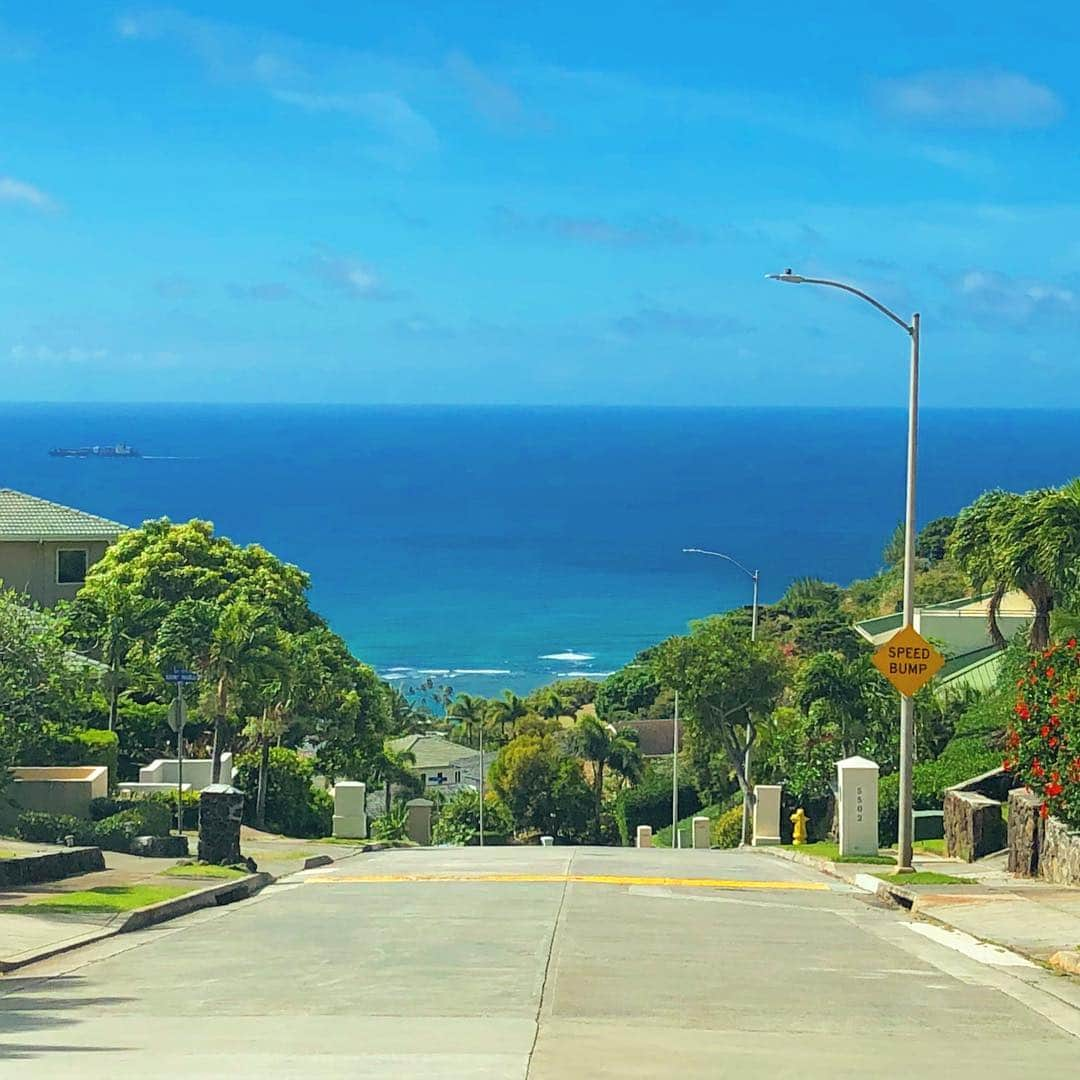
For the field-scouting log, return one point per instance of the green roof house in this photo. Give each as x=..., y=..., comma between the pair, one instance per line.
x=960, y=628
x=46, y=548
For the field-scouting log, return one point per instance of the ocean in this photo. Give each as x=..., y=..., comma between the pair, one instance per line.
x=499, y=548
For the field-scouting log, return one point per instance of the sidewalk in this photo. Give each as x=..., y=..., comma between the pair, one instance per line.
x=1024, y=915
x=30, y=935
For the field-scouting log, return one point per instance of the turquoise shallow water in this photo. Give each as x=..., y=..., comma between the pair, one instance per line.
x=502, y=547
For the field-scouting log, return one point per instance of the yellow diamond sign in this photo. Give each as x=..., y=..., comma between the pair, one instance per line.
x=908, y=660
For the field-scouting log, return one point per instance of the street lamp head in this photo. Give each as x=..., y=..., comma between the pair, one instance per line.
x=788, y=276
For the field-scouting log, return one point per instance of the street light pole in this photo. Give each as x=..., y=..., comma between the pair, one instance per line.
x=907, y=704
x=675, y=839
x=755, y=577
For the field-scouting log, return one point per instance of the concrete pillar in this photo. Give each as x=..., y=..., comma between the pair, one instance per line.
x=418, y=820
x=702, y=825
x=350, y=813
x=766, y=814
x=857, y=783
x=644, y=836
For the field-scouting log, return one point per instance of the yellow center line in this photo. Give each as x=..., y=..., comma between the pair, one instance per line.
x=584, y=879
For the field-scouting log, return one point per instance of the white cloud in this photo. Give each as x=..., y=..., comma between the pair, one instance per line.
x=47, y=354
x=386, y=113
x=24, y=194
x=990, y=295
x=999, y=99
x=347, y=275
x=496, y=101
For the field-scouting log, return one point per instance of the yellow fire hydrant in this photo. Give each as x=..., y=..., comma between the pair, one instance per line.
x=798, y=819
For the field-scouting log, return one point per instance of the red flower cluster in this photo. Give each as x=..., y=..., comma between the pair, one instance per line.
x=1046, y=716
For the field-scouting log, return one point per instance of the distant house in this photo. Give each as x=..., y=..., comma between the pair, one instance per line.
x=442, y=764
x=961, y=629
x=46, y=549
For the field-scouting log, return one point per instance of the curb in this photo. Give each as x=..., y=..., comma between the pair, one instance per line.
x=1067, y=962
x=225, y=892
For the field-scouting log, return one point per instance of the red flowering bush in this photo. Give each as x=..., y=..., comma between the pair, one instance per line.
x=1042, y=745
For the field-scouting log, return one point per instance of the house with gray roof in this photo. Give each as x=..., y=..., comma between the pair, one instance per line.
x=46, y=548
x=442, y=764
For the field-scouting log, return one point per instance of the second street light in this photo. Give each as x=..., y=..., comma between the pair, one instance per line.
x=907, y=704
x=755, y=577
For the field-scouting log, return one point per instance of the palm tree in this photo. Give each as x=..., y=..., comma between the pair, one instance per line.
x=242, y=647
x=121, y=615
x=604, y=746
x=277, y=694
x=392, y=767
x=552, y=705
x=507, y=711
x=467, y=714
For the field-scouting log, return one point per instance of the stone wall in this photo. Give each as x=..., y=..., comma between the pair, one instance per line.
x=1025, y=833
x=974, y=826
x=1059, y=855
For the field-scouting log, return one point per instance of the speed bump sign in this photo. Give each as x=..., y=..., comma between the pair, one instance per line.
x=908, y=660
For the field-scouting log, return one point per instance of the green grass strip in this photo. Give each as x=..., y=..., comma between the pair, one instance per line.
x=105, y=898
x=203, y=870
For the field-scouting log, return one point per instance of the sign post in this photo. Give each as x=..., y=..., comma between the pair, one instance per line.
x=180, y=678
x=909, y=662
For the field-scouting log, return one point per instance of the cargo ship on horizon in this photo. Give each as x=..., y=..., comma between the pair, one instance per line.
x=120, y=450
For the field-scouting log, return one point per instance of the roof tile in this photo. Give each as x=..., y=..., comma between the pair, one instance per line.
x=26, y=517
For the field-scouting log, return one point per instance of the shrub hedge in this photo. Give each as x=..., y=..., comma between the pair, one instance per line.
x=113, y=832
x=293, y=806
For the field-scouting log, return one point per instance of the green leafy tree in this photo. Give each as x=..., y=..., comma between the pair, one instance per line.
x=459, y=819
x=542, y=786
x=169, y=563
x=724, y=681
x=631, y=690
x=932, y=543
x=42, y=686
x=1029, y=542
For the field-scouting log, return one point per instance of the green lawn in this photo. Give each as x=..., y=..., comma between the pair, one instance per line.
x=105, y=898
x=925, y=877
x=203, y=870
x=826, y=849
x=929, y=847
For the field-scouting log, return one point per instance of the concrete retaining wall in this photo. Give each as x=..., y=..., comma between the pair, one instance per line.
x=56, y=790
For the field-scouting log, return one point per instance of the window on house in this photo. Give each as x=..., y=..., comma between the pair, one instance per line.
x=71, y=566
x=457, y=776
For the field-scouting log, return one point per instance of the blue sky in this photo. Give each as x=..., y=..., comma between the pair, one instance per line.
x=557, y=203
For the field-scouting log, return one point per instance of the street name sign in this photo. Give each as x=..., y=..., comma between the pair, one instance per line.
x=908, y=660
x=180, y=675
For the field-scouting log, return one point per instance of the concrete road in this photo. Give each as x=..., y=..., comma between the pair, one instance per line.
x=543, y=963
